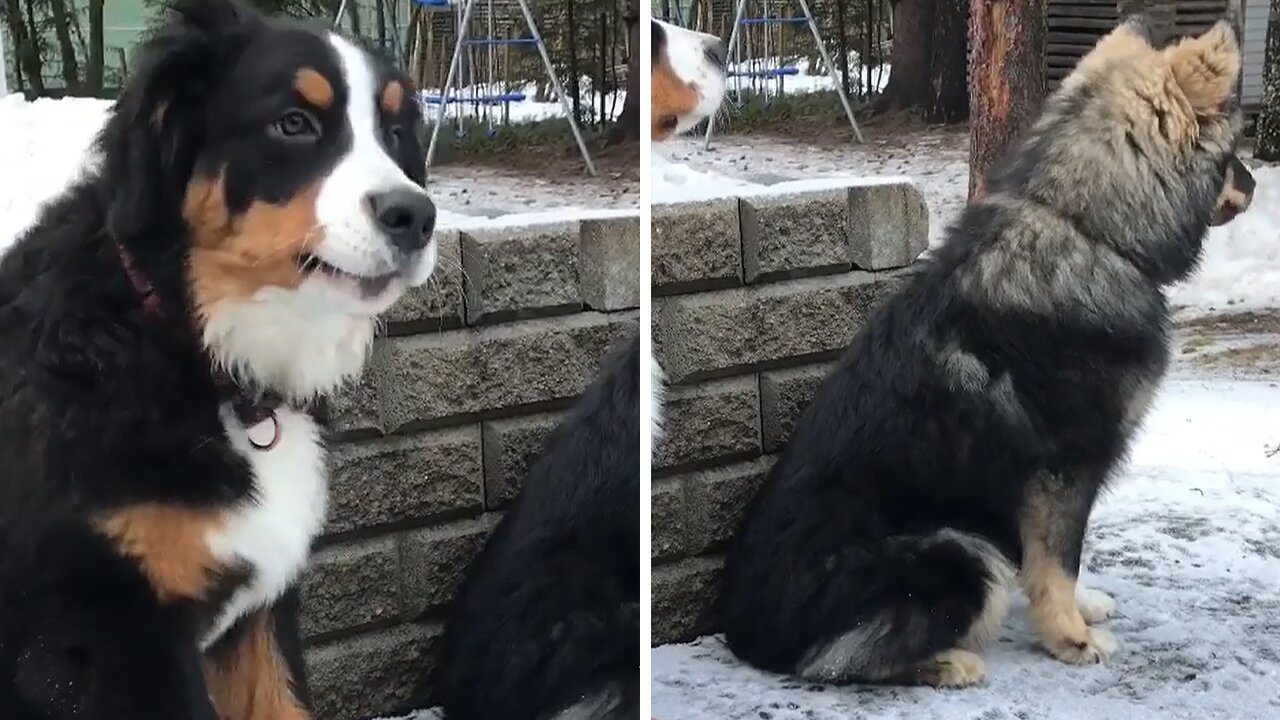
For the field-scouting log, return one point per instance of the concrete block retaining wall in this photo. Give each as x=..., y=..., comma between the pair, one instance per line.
x=753, y=299
x=473, y=372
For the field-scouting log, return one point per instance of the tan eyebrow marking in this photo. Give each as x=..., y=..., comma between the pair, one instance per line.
x=393, y=97
x=314, y=87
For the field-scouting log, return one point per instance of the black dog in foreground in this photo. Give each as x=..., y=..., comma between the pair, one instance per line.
x=546, y=624
x=967, y=432
x=255, y=200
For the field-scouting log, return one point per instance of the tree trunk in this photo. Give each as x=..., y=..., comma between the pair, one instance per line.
x=1268, y=137
x=628, y=127
x=868, y=48
x=601, y=84
x=575, y=81
x=382, y=25
x=948, y=100
x=62, y=31
x=26, y=48
x=908, y=84
x=1006, y=79
x=353, y=11
x=97, y=49
x=842, y=45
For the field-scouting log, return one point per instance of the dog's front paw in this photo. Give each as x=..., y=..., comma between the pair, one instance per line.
x=1095, y=646
x=1095, y=605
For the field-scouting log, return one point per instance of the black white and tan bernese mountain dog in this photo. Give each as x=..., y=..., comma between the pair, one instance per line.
x=546, y=624
x=688, y=78
x=166, y=327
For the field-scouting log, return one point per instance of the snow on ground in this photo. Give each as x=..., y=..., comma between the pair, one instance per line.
x=527, y=110
x=1188, y=544
x=433, y=714
x=938, y=163
x=870, y=79
x=44, y=145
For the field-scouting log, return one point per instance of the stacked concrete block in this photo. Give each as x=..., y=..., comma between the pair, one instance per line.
x=754, y=297
x=473, y=372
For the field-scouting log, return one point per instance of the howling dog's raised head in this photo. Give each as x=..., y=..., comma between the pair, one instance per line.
x=1135, y=146
x=266, y=181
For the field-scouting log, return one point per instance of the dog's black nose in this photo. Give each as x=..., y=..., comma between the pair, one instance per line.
x=407, y=217
x=717, y=54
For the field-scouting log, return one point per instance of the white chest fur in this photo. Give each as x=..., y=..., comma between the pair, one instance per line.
x=270, y=533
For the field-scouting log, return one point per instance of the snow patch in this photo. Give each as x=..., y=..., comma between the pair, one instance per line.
x=43, y=149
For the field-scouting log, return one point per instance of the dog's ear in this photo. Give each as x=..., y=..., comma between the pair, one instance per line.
x=1207, y=67
x=157, y=127
x=1129, y=41
x=1137, y=33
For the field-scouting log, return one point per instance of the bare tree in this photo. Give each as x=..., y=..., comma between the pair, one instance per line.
x=67, y=48
x=97, y=49
x=29, y=70
x=948, y=99
x=1006, y=79
x=1268, y=138
x=842, y=43
x=4, y=70
x=381, y=17
x=628, y=127
x=908, y=84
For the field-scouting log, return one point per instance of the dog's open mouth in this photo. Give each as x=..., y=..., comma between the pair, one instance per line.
x=370, y=285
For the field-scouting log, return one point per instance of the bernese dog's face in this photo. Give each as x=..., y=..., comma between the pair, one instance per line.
x=291, y=157
x=309, y=180
x=688, y=82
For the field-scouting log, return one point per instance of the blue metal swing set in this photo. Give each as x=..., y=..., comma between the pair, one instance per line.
x=483, y=98
x=744, y=66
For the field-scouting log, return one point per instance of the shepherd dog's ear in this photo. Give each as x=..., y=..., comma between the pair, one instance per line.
x=1207, y=67
x=157, y=127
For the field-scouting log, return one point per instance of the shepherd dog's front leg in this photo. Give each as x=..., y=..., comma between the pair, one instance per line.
x=1054, y=516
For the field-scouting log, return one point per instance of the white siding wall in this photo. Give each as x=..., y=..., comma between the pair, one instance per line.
x=1255, y=42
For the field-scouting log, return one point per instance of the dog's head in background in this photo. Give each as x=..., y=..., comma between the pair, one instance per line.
x=688, y=81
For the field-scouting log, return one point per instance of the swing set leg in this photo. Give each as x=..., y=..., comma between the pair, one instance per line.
x=831, y=70
x=555, y=84
x=448, y=81
x=731, y=59
x=826, y=59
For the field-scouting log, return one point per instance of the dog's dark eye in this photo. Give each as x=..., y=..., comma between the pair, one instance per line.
x=668, y=122
x=296, y=125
